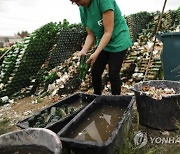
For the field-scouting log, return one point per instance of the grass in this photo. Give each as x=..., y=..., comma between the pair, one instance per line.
x=130, y=148
x=4, y=125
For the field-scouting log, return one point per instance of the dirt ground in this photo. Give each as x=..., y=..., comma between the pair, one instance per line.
x=20, y=109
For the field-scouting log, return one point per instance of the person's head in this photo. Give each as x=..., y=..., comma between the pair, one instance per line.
x=81, y=2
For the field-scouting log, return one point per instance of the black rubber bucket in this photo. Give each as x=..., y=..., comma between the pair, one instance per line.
x=58, y=125
x=160, y=114
x=31, y=140
x=116, y=138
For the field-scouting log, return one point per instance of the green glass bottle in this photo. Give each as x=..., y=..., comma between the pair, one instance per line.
x=83, y=67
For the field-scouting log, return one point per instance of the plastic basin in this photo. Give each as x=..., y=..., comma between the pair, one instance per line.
x=33, y=137
x=56, y=126
x=115, y=139
x=159, y=114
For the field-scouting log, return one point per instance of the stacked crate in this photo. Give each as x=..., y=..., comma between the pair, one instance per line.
x=137, y=22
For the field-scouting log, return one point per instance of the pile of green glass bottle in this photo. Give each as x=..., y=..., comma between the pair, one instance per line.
x=83, y=67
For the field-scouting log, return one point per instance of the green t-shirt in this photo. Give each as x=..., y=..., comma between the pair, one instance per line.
x=91, y=17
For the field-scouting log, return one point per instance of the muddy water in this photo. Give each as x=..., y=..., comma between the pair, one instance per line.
x=26, y=150
x=78, y=104
x=99, y=125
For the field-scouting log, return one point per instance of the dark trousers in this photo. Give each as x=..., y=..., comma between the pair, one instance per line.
x=114, y=60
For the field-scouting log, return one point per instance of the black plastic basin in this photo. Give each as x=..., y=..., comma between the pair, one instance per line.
x=115, y=139
x=56, y=126
x=161, y=114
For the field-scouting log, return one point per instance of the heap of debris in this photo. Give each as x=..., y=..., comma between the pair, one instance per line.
x=57, y=71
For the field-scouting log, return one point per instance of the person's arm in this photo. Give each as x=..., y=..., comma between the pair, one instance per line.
x=90, y=38
x=108, y=23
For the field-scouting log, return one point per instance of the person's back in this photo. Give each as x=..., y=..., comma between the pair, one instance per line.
x=92, y=18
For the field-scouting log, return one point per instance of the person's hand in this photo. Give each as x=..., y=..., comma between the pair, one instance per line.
x=80, y=53
x=92, y=58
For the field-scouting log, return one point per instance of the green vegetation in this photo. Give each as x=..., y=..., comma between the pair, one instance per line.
x=4, y=126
